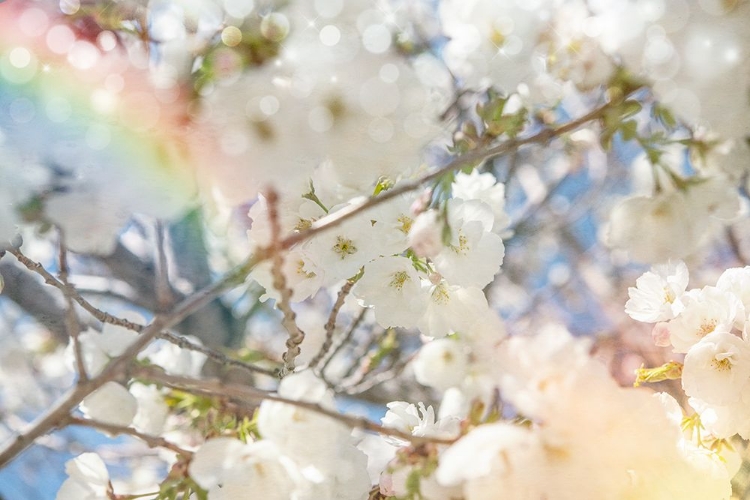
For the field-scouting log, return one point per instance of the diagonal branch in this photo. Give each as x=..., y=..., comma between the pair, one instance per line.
x=331, y=323
x=151, y=441
x=56, y=415
x=251, y=395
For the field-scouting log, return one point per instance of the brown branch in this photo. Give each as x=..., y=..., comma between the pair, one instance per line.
x=62, y=408
x=217, y=356
x=151, y=441
x=71, y=318
x=296, y=335
x=472, y=157
x=69, y=292
x=244, y=394
x=64, y=405
x=344, y=340
x=331, y=323
x=366, y=383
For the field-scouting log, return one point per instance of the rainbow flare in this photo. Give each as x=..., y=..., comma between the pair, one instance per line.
x=88, y=110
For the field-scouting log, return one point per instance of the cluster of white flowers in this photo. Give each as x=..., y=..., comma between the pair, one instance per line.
x=439, y=295
x=302, y=454
x=673, y=223
x=337, y=93
x=141, y=406
x=570, y=410
x=709, y=325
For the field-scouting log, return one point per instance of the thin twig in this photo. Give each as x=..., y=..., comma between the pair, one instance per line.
x=63, y=406
x=472, y=157
x=173, y=338
x=70, y=292
x=344, y=340
x=72, y=325
x=251, y=395
x=151, y=441
x=296, y=335
x=361, y=353
x=365, y=384
x=330, y=326
x=217, y=356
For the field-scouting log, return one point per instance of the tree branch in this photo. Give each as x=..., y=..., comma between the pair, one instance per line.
x=71, y=318
x=296, y=335
x=250, y=395
x=331, y=323
x=151, y=441
x=115, y=368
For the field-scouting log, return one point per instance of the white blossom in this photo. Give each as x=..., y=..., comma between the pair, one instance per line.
x=656, y=296
x=717, y=369
x=725, y=421
x=152, y=409
x=228, y=469
x=418, y=420
x=111, y=404
x=705, y=311
x=475, y=253
x=88, y=479
x=178, y=361
x=441, y=363
x=393, y=288
x=492, y=458
x=653, y=229
x=484, y=187
x=344, y=249
x=321, y=447
x=452, y=309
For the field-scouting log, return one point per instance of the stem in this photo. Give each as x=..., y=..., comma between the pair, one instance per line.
x=331, y=323
x=64, y=405
x=248, y=395
x=151, y=441
x=296, y=335
x=71, y=318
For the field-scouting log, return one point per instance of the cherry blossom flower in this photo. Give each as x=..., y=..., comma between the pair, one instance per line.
x=441, y=363
x=717, y=369
x=88, y=479
x=393, y=288
x=228, y=468
x=656, y=296
x=705, y=311
x=111, y=404
x=475, y=253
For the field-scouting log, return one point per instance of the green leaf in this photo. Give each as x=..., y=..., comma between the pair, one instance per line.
x=629, y=130
x=630, y=108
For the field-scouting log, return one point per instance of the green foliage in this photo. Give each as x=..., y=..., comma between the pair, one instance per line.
x=495, y=119
x=213, y=416
x=671, y=370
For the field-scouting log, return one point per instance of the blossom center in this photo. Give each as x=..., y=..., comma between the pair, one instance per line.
x=440, y=295
x=707, y=327
x=344, y=247
x=405, y=223
x=722, y=365
x=301, y=270
x=398, y=279
x=463, y=244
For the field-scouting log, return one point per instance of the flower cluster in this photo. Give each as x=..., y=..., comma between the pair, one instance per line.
x=709, y=325
x=433, y=293
x=568, y=408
